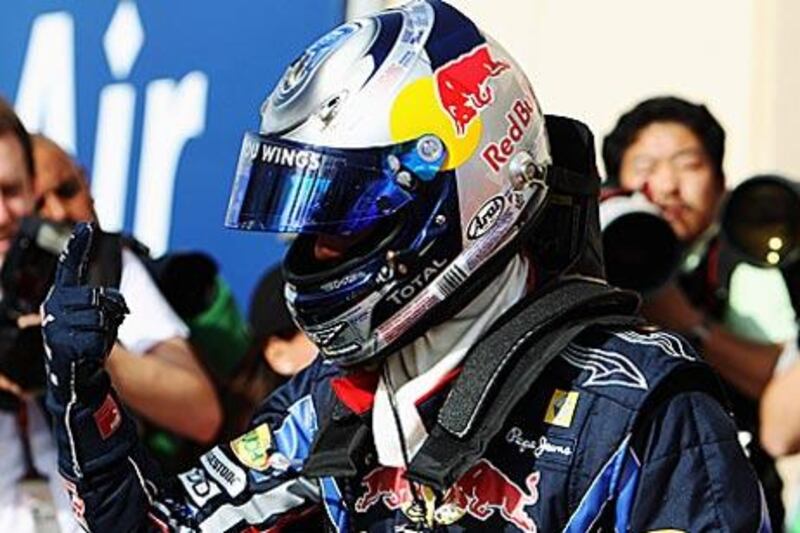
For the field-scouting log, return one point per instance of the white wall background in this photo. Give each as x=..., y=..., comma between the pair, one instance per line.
x=592, y=60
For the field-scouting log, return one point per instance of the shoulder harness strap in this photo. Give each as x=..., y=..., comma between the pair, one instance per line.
x=491, y=384
x=498, y=370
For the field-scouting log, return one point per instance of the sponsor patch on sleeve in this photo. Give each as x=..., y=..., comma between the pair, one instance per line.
x=229, y=476
x=199, y=488
x=561, y=408
x=107, y=418
x=252, y=448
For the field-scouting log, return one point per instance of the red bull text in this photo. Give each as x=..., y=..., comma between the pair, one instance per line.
x=498, y=153
x=463, y=85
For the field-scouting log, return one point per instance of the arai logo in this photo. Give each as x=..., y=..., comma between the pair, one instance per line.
x=486, y=217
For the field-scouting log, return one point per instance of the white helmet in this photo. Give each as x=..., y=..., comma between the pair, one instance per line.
x=420, y=136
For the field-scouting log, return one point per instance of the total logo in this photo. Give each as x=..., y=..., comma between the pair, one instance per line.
x=410, y=289
x=174, y=113
x=497, y=154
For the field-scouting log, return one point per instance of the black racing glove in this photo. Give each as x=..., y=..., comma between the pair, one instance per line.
x=79, y=322
x=80, y=327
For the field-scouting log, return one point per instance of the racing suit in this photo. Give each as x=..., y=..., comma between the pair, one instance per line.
x=609, y=436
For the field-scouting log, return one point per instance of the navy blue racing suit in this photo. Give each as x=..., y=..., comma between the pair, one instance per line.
x=574, y=455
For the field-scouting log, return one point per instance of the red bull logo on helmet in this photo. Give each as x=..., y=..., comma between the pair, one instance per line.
x=463, y=85
x=482, y=492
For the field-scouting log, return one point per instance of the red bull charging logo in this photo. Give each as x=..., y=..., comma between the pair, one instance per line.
x=482, y=492
x=463, y=85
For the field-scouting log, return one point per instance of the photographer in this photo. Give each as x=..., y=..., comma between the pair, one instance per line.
x=672, y=151
x=780, y=413
x=171, y=388
x=168, y=386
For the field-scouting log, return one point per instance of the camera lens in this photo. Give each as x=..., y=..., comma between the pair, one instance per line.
x=641, y=251
x=762, y=221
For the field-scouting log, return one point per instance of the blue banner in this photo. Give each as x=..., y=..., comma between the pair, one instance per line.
x=153, y=98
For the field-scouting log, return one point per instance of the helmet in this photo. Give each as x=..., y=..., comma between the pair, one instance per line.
x=415, y=134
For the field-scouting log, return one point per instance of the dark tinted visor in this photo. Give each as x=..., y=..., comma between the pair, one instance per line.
x=289, y=187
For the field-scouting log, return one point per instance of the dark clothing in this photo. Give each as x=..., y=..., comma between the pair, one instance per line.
x=612, y=436
x=707, y=288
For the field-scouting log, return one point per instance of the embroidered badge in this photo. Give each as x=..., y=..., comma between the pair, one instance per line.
x=222, y=470
x=252, y=448
x=107, y=418
x=561, y=408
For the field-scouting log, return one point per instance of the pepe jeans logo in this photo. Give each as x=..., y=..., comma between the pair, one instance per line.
x=538, y=447
x=486, y=217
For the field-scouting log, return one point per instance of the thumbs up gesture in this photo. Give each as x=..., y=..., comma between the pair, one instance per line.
x=79, y=322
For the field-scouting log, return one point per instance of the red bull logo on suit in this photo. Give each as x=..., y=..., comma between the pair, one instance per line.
x=482, y=492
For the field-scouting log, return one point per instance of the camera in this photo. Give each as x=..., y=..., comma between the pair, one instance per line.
x=25, y=278
x=640, y=250
x=761, y=221
x=761, y=225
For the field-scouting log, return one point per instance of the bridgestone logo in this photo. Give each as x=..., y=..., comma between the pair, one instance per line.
x=221, y=469
x=230, y=476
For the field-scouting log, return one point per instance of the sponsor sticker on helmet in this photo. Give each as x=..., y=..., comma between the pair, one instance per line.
x=325, y=336
x=300, y=71
x=498, y=153
x=274, y=154
x=486, y=217
x=407, y=291
x=252, y=448
x=463, y=85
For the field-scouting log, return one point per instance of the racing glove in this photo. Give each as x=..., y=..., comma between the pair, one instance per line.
x=79, y=325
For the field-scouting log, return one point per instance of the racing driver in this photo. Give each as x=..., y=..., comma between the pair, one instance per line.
x=476, y=372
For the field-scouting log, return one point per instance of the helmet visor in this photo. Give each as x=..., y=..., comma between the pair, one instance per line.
x=284, y=186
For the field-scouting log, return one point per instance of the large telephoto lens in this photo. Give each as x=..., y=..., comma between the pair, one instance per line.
x=761, y=220
x=640, y=250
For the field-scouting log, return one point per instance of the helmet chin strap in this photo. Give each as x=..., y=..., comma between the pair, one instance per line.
x=419, y=500
x=415, y=370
